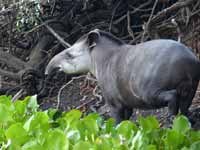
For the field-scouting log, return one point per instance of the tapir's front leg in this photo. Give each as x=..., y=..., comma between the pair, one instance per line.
x=120, y=113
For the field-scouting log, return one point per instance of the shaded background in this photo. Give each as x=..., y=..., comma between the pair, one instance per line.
x=33, y=31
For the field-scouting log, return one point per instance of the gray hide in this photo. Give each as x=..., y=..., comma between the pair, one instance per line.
x=149, y=75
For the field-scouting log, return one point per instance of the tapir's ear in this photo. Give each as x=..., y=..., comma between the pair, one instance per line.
x=93, y=38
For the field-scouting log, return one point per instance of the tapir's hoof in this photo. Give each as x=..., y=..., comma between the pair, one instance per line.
x=191, y=118
x=170, y=119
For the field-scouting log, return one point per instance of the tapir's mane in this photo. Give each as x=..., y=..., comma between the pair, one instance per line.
x=105, y=34
x=111, y=37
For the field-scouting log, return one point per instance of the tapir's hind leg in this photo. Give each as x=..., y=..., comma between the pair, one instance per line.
x=169, y=98
x=186, y=94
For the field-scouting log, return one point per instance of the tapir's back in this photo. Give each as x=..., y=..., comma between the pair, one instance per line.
x=162, y=49
x=158, y=65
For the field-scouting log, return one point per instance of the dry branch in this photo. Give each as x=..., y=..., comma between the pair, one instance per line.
x=58, y=37
x=170, y=10
x=15, y=76
x=13, y=61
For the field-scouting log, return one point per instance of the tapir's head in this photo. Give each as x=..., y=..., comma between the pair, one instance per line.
x=77, y=58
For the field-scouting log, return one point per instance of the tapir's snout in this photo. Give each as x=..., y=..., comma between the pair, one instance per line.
x=69, y=61
x=55, y=64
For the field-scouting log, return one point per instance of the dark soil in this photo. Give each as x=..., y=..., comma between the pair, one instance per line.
x=79, y=93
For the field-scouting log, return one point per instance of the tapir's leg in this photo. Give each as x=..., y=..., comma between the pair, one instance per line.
x=186, y=96
x=127, y=113
x=120, y=113
x=171, y=99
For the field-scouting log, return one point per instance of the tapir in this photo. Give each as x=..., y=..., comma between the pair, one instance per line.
x=149, y=75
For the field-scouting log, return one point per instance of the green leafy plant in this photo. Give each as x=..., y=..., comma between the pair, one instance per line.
x=23, y=126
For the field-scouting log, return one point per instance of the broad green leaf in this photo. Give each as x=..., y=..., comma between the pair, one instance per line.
x=89, y=127
x=6, y=100
x=181, y=124
x=69, y=120
x=6, y=110
x=26, y=100
x=24, y=127
x=2, y=135
x=126, y=129
x=32, y=145
x=139, y=142
x=149, y=123
x=152, y=147
x=194, y=136
x=56, y=140
x=104, y=142
x=109, y=126
x=32, y=103
x=20, y=112
x=73, y=115
x=54, y=114
x=17, y=134
x=74, y=136
x=174, y=138
x=28, y=122
x=195, y=146
x=20, y=107
x=83, y=146
x=38, y=126
x=39, y=120
x=185, y=148
x=122, y=147
x=94, y=116
x=5, y=114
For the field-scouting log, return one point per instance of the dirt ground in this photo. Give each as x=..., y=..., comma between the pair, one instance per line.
x=83, y=93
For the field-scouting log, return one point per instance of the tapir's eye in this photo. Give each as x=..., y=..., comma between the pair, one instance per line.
x=69, y=56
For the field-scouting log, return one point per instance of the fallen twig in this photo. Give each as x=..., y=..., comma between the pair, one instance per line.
x=146, y=26
x=64, y=86
x=17, y=95
x=130, y=31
